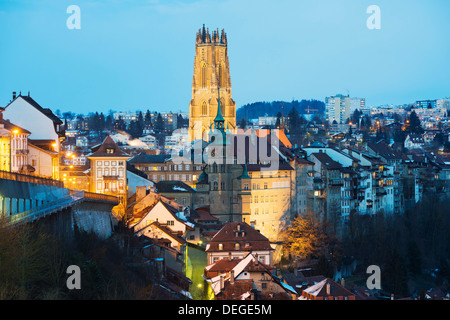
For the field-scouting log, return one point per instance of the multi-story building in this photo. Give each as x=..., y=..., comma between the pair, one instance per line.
x=357, y=104
x=163, y=167
x=45, y=129
x=108, y=169
x=338, y=108
x=423, y=104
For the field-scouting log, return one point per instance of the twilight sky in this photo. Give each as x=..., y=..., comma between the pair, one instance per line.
x=139, y=54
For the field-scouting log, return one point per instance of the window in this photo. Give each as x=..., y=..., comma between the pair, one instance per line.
x=220, y=246
x=204, y=109
x=215, y=186
x=237, y=246
x=170, y=222
x=204, y=74
x=263, y=285
x=109, y=150
x=246, y=186
x=265, y=185
x=222, y=186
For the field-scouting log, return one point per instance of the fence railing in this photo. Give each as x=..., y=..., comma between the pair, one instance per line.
x=30, y=179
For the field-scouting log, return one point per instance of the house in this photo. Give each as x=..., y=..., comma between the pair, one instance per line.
x=25, y=112
x=246, y=279
x=13, y=146
x=327, y=289
x=108, y=168
x=235, y=240
x=82, y=142
x=165, y=215
x=414, y=141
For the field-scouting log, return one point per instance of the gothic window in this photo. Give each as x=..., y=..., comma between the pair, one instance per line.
x=204, y=75
x=215, y=186
x=204, y=109
x=222, y=81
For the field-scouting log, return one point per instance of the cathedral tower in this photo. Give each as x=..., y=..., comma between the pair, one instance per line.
x=211, y=74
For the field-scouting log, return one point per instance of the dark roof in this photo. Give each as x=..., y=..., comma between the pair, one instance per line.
x=384, y=150
x=202, y=215
x=132, y=169
x=326, y=161
x=229, y=235
x=149, y=158
x=11, y=127
x=173, y=187
x=108, y=143
x=45, y=111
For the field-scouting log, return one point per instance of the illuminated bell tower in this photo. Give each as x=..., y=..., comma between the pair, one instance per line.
x=211, y=74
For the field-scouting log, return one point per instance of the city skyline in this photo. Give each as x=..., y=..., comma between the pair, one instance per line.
x=139, y=55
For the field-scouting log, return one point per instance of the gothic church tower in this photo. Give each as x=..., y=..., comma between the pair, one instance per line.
x=211, y=73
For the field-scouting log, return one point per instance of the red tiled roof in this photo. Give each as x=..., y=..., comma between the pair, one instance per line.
x=229, y=235
x=108, y=143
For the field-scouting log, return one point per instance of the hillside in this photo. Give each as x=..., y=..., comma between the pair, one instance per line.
x=261, y=109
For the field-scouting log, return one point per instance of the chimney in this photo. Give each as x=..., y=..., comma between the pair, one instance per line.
x=221, y=282
x=232, y=276
x=14, y=95
x=343, y=282
x=328, y=288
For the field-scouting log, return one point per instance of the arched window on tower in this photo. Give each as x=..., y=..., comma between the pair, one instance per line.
x=204, y=109
x=204, y=75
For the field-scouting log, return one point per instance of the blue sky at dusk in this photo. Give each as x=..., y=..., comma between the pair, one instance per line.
x=138, y=55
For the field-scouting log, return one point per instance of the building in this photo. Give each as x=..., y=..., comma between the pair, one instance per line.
x=246, y=279
x=426, y=104
x=235, y=240
x=108, y=168
x=211, y=74
x=177, y=141
x=327, y=289
x=357, y=104
x=338, y=108
x=414, y=141
x=45, y=129
x=162, y=167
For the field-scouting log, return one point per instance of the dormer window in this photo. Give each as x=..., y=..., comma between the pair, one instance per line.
x=220, y=246
x=110, y=150
x=237, y=246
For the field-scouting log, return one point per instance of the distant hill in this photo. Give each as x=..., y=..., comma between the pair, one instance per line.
x=271, y=109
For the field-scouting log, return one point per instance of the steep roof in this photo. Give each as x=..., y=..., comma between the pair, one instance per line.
x=238, y=232
x=320, y=289
x=108, y=143
x=326, y=161
x=47, y=112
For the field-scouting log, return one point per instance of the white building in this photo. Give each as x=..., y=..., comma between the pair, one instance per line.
x=357, y=103
x=150, y=141
x=338, y=108
x=108, y=169
x=177, y=141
